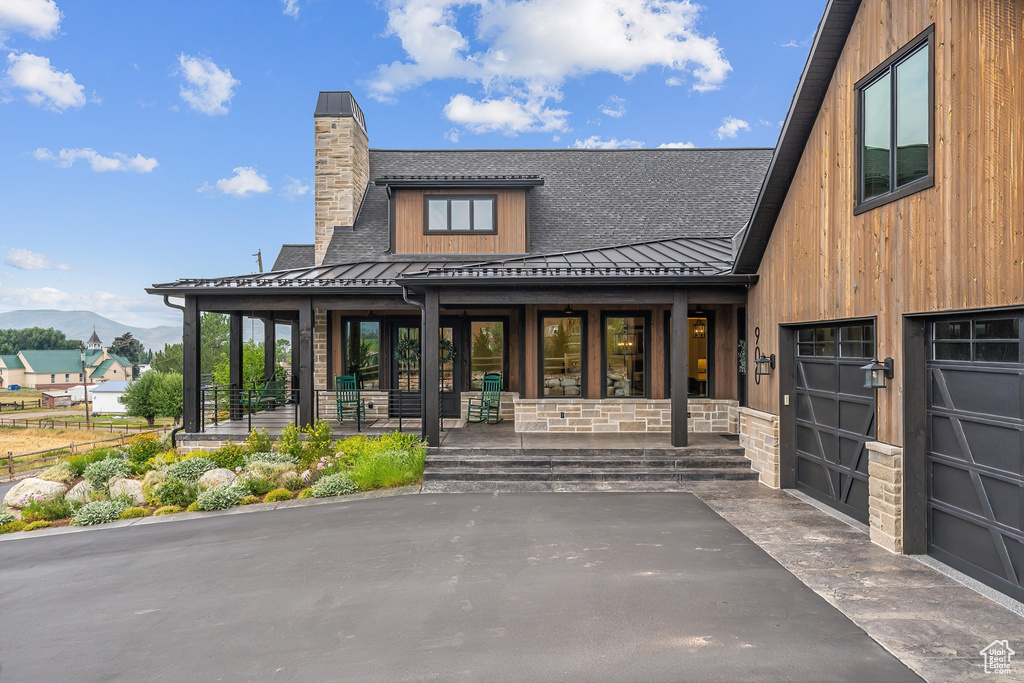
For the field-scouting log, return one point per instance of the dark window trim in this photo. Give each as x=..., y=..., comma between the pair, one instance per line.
x=646, y=316
x=427, y=198
x=468, y=336
x=708, y=315
x=980, y=315
x=888, y=66
x=541, y=316
x=344, y=320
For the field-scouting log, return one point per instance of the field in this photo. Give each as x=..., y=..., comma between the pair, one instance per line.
x=28, y=440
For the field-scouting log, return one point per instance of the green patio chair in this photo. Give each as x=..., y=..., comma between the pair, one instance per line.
x=488, y=405
x=349, y=403
x=272, y=395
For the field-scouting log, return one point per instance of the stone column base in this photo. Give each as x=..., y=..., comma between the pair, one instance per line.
x=759, y=436
x=885, y=495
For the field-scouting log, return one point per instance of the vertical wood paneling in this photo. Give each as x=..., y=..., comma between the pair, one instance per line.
x=958, y=245
x=531, y=336
x=725, y=354
x=510, y=238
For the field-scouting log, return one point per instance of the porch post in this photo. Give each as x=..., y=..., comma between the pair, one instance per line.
x=294, y=328
x=269, y=348
x=678, y=366
x=306, y=361
x=430, y=370
x=191, y=393
x=235, y=363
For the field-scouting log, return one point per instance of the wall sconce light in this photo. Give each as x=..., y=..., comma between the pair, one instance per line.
x=876, y=372
x=568, y=311
x=700, y=329
x=763, y=365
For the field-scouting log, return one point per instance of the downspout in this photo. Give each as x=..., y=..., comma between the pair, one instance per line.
x=167, y=302
x=423, y=389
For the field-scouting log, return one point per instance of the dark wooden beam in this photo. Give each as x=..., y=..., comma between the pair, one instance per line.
x=430, y=367
x=191, y=389
x=787, y=406
x=678, y=367
x=306, y=362
x=295, y=356
x=235, y=364
x=915, y=437
x=279, y=302
x=269, y=348
x=560, y=296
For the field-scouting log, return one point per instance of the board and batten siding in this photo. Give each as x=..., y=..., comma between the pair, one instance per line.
x=511, y=236
x=958, y=245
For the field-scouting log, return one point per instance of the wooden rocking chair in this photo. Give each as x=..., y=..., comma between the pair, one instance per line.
x=488, y=405
x=349, y=402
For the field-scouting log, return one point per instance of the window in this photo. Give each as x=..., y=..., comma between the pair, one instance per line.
x=896, y=110
x=562, y=355
x=80, y=378
x=486, y=351
x=362, y=352
x=67, y=377
x=53, y=378
x=982, y=341
x=849, y=341
x=460, y=213
x=624, y=356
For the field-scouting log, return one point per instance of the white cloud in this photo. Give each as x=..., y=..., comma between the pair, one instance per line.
x=294, y=188
x=23, y=259
x=291, y=8
x=245, y=180
x=523, y=52
x=506, y=115
x=39, y=19
x=207, y=88
x=791, y=43
x=452, y=135
x=594, y=142
x=676, y=145
x=111, y=305
x=730, y=127
x=99, y=163
x=614, y=107
x=55, y=90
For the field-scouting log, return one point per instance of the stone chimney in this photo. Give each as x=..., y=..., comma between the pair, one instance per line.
x=342, y=165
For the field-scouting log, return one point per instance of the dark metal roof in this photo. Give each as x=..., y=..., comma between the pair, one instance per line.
x=460, y=181
x=828, y=45
x=339, y=103
x=589, y=199
x=295, y=256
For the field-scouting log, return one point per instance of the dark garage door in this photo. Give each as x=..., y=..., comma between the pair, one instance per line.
x=835, y=415
x=975, y=461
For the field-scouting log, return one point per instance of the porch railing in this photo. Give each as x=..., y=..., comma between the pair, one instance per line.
x=388, y=409
x=273, y=410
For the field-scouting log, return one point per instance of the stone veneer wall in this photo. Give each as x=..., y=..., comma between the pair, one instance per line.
x=621, y=415
x=342, y=168
x=319, y=349
x=759, y=436
x=885, y=495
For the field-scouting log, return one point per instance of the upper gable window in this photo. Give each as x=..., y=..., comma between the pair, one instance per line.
x=460, y=213
x=896, y=105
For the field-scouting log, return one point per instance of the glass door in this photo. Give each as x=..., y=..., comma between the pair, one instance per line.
x=405, y=370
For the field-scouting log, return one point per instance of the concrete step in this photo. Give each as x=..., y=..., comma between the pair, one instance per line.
x=441, y=462
x=571, y=474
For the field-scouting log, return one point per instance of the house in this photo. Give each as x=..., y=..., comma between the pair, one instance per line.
x=12, y=371
x=56, y=399
x=106, y=398
x=623, y=290
x=62, y=369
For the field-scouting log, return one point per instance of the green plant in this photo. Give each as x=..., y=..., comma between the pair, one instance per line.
x=388, y=469
x=305, y=493
x=191, y=469
x=100, y=512
x=167, y=510
x=47, y=510
x=220, y=498
x=62, y=472
x=151, y=482
x=6, y=517
x=174, y=492
x=194, y=507
x=101, y=472
x=229, y=456
x=162, y=460
x=250, y=500
x=12, y=526
x=333, y=485
x=277, y=495
x=79, y=462
x=142, y=447
x=293, y=483
x=290, y=441
x=134, y=513
x=268, y=470
x=271, y=457
x=256, y=485
x=154, y=393
x=258, y=441
x=41, y=524
x=319, y=442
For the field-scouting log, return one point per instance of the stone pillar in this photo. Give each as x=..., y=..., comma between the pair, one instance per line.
x=342, y=159
x=885, y=495
x=759, y=436
x=320, y=348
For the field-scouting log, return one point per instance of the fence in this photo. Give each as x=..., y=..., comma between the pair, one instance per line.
x=95, y=425
x=13, y=405
x=270, y=409
x=24, y=462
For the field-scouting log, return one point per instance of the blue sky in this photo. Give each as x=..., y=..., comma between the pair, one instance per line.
x=142, y=142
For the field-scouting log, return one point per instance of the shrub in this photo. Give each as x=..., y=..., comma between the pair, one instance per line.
x=191, y=469
x=167, y=510
x=62, y=472
x=100, y=512
x=220, y=498
x=268, y=470
x=305, y=493
x=47, y=510
x=194, y=507
x=162, y=460
x=41, y=524
x=256, y=485
x=134, y=513
x=100, y=472
x=174, y=492
x=142, y=447
x=249, y=500
x=151, y=482
x=79, y=462
x=271, y=457
x=319, y=442
x=278, y=495
x=229, y=457
x=333, y=485
x=388, y=469
x=258, y=441
x=11, y=527
x=293, y=482
x=6, y=517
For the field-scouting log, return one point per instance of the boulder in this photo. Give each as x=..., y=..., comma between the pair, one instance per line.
x=127, y=487
x=572, y=391
x=27, y=490
x=557, y=391
x=568, y=382
x=553, y=382
x=218, y=477
x=80, y=493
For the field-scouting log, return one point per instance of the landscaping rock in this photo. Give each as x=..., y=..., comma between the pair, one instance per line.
x=80, y=493
x=26, y=490
x=127, y=487
x=308, y=476
x=218, y=477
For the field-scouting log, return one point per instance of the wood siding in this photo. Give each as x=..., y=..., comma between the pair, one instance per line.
x=958, y=245
x=511, y=237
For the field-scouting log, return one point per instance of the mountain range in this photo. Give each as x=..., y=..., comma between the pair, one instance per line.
x=80, y=324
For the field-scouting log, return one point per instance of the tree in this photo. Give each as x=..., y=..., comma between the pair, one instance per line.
x=213, y=331
x=129, y=347
x=154, y=394
x=252, y=365
x=34, y=339
x=170, y=359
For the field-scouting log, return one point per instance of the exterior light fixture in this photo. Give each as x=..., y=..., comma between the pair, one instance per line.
x=763, y=365
x=876, y=372
x=700, y=329
x=568, y=310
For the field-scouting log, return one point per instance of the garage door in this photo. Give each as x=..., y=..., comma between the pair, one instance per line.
x=975, y=460
x=835, y=415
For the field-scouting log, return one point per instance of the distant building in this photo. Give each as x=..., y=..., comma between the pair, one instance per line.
x=62, y=369
x=106, y=398
x=56, y=399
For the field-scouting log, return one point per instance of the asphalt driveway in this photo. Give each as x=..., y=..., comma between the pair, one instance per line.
x=513, y=587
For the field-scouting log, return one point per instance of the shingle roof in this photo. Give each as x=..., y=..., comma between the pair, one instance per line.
x=295, y=256
x=589, y=199
x=12, y=362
